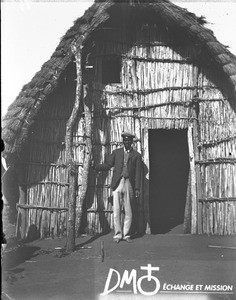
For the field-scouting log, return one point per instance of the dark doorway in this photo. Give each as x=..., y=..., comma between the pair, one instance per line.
x=169, y=168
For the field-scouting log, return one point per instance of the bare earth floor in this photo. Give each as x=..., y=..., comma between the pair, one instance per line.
x=190, y=267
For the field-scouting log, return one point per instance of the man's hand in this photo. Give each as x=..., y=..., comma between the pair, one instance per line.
x=137, y=193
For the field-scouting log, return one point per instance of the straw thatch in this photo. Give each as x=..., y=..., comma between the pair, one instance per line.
x=23, y=112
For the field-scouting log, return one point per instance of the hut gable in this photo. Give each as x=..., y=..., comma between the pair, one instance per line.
x=145, y=66
x=23, y=111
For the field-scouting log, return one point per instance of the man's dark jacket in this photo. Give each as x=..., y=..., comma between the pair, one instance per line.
x=116, y=160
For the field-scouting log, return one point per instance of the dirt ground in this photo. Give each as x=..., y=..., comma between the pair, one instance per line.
x=190, y=267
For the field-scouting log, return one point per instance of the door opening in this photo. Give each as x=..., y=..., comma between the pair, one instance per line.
x=169, y=169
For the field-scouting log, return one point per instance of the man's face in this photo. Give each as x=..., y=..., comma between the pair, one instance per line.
x=127, y=141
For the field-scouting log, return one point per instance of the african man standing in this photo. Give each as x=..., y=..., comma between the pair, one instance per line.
x=125, y=183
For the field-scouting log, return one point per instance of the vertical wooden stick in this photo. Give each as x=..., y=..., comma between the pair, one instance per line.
x=88, y=152
x=187, y=212
x=70, y=246
x=102, y=251
x=21, y=224
x=193, y=181
x=22, y=214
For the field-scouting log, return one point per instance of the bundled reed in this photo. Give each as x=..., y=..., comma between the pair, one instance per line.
x=156, y=91
x=46, y=179
x=160, y=88
x=150, y=96
x=217, y=168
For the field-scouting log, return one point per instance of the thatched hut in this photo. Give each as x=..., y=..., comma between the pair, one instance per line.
x=147, y=66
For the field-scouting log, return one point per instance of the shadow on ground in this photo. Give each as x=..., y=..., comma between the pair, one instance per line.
x=89, y=241
x=14, y=257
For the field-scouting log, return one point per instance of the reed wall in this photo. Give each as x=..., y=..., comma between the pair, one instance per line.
x=158, y=89
x=45, y=171
x=217, y=160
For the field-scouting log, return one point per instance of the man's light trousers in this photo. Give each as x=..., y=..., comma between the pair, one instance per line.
x=122, y=198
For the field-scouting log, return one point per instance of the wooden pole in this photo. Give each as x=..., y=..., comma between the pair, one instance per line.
x=70, y=245
x=196, y=138
x=146, y=168
x=88, y=152
x=193, y=181
x=187, y=212
x=21, y=223
x=21, y=216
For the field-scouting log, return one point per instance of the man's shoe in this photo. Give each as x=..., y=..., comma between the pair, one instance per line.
x=128, y=240
x=116, y=240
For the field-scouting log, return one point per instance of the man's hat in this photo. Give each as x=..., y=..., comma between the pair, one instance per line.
x=128, y=134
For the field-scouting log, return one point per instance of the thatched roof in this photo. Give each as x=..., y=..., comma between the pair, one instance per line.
x=23, y=111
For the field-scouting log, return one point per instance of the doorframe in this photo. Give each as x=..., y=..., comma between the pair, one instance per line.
x=192, y=197
x=191, y=208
